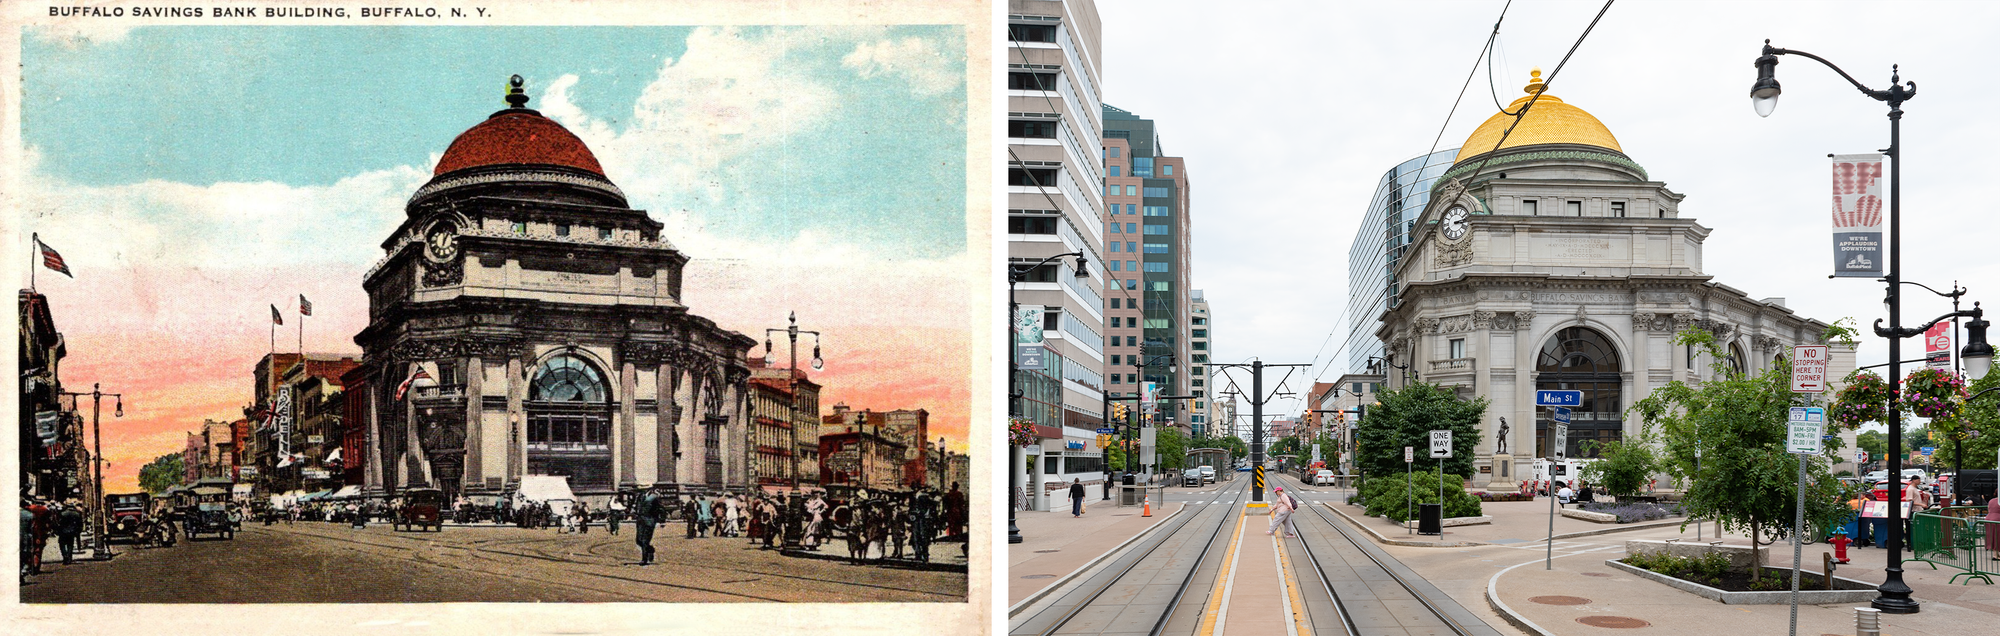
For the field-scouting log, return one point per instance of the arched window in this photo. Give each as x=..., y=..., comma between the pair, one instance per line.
x=567, y=379
x=1738, y=363
x=1581, y=359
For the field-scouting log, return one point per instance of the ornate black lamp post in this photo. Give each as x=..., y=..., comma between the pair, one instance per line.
x=1014, y=275
x=99, y=549
x=1895, y=598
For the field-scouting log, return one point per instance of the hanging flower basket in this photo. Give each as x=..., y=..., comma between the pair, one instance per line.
x=1864, y=399
x=1933, y=393
x=1021, y=432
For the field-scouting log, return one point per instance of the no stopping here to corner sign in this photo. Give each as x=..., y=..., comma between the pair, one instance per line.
x=1809, y=364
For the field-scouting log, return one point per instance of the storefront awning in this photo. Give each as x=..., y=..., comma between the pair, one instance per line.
x=546, y=488
x=346, y=492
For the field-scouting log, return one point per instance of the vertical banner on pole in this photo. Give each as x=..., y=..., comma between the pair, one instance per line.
x=1937, y=346
x=1857, y=216
x=1028, y=338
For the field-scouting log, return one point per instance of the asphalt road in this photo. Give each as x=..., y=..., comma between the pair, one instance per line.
x=313, y=562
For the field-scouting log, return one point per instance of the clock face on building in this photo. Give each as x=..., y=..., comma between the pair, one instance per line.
x=441, y=241
x=1455, y=222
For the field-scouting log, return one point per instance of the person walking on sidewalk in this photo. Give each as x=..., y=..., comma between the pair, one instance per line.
x=1282, y=507
x=1076, y=497
x=69, y=525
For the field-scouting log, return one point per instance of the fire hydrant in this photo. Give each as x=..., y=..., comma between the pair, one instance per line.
x=1840, y=542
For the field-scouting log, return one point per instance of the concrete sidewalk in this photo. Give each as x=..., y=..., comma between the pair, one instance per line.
x=1054, y=544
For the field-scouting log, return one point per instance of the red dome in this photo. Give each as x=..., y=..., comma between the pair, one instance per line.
x=517, y=136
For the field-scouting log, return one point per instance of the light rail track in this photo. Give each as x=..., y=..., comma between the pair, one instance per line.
x=1345, y=617
x=1142, y=554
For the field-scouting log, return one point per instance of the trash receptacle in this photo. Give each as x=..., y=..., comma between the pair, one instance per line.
x=1430, y=518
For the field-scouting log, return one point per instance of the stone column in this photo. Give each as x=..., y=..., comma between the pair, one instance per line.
x=691, y=469
x=1642, y=359
x=1677, y=354
x=1525, y=359
x=517, y=416
x=621, y=426
x=471, y=475
x=373, y=475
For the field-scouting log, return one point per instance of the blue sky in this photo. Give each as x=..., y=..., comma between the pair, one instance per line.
x=859, y=133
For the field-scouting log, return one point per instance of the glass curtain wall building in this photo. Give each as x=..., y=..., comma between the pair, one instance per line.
x=1146, y=194
x=1379, y=246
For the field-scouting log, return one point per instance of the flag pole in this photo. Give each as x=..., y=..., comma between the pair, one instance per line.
x=32, y=255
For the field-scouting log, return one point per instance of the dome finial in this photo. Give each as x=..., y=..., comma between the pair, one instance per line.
x=516, y=98
x=1534, y=81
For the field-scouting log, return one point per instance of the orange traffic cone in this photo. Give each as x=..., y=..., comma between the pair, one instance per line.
x=1148, y=512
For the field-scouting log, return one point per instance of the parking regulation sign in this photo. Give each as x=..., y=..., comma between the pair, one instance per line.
x=1809, y=368
x=1806, y=424
x=1409, y=455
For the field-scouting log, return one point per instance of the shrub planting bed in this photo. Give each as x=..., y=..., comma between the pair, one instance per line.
x=1631, y=512
x=1713, y=570
x=1502, y=496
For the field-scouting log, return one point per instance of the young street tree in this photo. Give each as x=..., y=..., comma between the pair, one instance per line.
x=1406, y=417
x=1738, y=424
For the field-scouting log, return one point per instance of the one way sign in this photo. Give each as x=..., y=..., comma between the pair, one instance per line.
x=1440, y=444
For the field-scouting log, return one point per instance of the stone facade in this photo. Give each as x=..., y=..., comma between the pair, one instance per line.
x=546, y=314
x=1562, y=266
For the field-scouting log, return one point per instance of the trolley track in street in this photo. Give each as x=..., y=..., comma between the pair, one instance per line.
x=1432, y=600
x=1117, y=573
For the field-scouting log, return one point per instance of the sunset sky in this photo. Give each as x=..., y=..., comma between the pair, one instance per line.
x=191, y=176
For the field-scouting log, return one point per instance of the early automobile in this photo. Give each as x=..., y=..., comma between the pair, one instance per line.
x=422, y=507
x=128, y=514
x=209, y=517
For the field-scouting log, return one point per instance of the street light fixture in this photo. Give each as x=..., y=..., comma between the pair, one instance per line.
x=99, y=550
x=1895, y=594
x=1014, y=469
x=792, y=332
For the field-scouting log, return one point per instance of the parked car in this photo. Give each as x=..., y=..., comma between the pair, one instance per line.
x=1207, y=474
x=1191, y=477
x=1324, y=477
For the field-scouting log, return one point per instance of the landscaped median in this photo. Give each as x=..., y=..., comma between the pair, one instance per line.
x=1620, y=512
x=1727, y=574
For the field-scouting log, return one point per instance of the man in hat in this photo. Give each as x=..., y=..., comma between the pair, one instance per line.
x=651, y=511
x=1282, y=507
x=69, y=525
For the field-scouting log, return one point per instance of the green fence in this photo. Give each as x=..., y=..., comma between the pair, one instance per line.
x=1956, y=538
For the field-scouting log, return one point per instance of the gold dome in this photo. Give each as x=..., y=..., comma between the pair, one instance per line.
x=1550, y=122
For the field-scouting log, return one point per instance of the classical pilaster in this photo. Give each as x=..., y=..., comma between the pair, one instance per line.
x=471, y=476
x=621, y=426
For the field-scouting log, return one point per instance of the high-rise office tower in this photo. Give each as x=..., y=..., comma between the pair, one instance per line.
x=1149, y=308
x=1378, y=248
x=1055, y=168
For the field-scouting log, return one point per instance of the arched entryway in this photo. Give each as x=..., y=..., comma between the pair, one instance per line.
x=569, y=422
x=1581, y=359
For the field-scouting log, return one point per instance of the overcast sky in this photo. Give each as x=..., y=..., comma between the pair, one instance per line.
x=1288, y=114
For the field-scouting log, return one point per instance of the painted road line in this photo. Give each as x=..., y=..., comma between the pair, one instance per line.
x=1218, y=600
x=1294, y=604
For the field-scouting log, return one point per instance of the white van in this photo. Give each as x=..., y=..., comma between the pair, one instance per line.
x=1572, y=470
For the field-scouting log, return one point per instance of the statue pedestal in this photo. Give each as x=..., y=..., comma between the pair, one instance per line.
x=1503, y=474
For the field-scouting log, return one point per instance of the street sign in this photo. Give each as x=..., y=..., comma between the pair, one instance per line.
x=1861, y=457
x=1809, y=368
x=1928, y=450
x=1558, y=398
x=1561, y=441
x=1107, y=431
x=1440, y=444
x=1806, y=423
x=1409, y=455
x=1562, y=414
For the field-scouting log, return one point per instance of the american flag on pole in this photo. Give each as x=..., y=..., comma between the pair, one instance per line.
x=276, y=318
x=50, y=258
x=305, y=306
x=405, y=386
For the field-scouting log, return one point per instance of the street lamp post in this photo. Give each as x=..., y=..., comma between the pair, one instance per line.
x=1014, y=469
x=792, y=332
x=99, y=549
x=1895, y=598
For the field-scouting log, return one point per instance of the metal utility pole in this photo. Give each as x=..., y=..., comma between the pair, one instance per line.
x=1257, y=400
x=100, y=550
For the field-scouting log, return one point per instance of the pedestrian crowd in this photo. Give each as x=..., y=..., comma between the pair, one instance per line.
x=873, y=524
x=41, y=519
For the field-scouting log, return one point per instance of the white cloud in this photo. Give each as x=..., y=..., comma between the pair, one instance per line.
x=728, y=94
x=219, y=226
x=917, y=59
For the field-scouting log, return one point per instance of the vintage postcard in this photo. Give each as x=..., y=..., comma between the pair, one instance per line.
x=508, y=304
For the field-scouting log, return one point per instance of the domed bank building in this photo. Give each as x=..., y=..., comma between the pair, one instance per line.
x=525, y=320
x=1557, y=262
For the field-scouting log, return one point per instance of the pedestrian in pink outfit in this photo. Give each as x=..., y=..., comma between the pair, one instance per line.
x=1282, y=507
